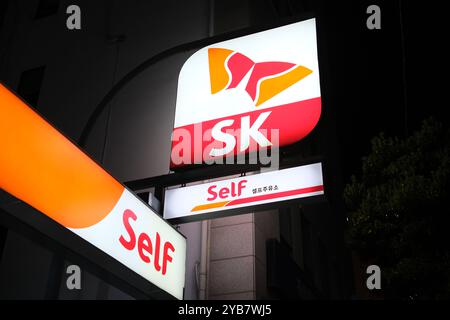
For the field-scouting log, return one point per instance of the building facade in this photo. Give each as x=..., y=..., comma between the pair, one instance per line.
x=293, y=251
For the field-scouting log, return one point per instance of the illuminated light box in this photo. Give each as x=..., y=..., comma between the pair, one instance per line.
x=231, y=94
x=41, y=167
x=246, y=191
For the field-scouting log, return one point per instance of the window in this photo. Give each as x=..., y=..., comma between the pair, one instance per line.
x=230, y=15
x=30, y=85
x=144, y=196
x=307, y=239
x=285, y=228
x=289, y=8
x=282, y=8
x=3, y=9
x=3, y=235
x=46, y=8
x=324, y=275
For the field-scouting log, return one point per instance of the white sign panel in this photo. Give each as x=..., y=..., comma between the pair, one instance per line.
x=257, y=189
x=270, y=78
x=141, y=240
x=41, y=167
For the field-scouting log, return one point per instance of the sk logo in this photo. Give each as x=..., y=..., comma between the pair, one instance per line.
x=246, y=94
x=228, y=68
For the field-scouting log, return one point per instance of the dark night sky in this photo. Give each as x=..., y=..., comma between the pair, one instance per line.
x=378, y=73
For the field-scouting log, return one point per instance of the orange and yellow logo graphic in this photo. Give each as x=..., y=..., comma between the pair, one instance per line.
x=267, y=79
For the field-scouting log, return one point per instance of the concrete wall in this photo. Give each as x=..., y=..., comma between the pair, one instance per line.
x=266, y=226
x=232, y=258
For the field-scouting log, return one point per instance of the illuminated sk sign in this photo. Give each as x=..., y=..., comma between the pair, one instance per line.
x=233, y=93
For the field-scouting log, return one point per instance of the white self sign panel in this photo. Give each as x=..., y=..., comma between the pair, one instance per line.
x=44, y=169
x=251, y=190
